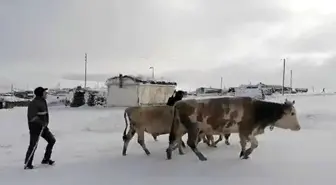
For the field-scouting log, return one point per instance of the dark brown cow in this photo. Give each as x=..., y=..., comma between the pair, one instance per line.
x=243, y=115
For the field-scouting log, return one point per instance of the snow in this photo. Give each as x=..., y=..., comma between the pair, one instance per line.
x=88, y=151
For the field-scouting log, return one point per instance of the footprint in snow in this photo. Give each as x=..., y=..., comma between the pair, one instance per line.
x=5, y=146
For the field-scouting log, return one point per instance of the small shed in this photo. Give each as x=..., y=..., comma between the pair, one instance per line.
x=127, y=90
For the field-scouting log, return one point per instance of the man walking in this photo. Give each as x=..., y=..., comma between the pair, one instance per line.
x=38, y=120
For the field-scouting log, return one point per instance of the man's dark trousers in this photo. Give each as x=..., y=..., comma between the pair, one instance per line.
x=34, y=137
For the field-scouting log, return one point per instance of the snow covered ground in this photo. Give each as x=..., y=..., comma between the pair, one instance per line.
x=88, y=151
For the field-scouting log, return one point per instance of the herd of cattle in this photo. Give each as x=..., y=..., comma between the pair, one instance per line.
x=203, y=118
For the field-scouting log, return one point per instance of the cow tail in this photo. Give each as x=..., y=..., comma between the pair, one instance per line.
x=126, y=122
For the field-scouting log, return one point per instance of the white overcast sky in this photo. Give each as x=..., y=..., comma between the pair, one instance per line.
x=193, y=42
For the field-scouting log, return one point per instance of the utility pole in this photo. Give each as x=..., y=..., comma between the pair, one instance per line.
x=291, y=79
x=152, y=68
x=221, y=83
x=283, y=76
x=85, y=73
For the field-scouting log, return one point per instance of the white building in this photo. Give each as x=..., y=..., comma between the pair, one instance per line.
x=132, y=91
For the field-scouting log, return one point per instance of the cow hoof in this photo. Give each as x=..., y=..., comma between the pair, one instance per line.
x=245, y=157
x=124, y=152
x=227, y=142
x=241, y=154
x=147, y=152
x=181, y=153
x=203, y=158
x=169, y=154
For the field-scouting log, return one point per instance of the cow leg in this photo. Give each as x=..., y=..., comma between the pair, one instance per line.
x=169, y=150
x=192, y=139
x=199, y=139
x=172, y=145
x=211, y=141
x=175, y=143
x=207, y=139
x=127, y=138
x=183, y=144
x=204, y=139
x=220, y=138
x=254, y=145
x=141, y=141
x=227, y=139
x=193, y=134
x=180, y=147
x=243, y=142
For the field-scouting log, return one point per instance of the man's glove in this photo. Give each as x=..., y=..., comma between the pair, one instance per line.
x=44, y=124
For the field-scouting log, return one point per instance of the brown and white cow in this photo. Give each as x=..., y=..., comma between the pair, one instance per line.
x=243, y=115
x=155, y=120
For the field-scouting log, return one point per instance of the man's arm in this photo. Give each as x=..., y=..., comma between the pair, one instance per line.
x=33, y=114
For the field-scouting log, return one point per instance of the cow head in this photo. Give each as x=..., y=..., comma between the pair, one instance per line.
x=288, y=119
x=179, y=95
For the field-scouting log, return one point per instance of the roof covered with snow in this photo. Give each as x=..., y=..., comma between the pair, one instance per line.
x=139, y=79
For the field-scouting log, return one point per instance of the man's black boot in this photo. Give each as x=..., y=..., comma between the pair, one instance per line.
x=48, y=161
x=29, y=167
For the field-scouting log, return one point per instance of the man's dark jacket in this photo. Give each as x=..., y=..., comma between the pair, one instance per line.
x=37, y=114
